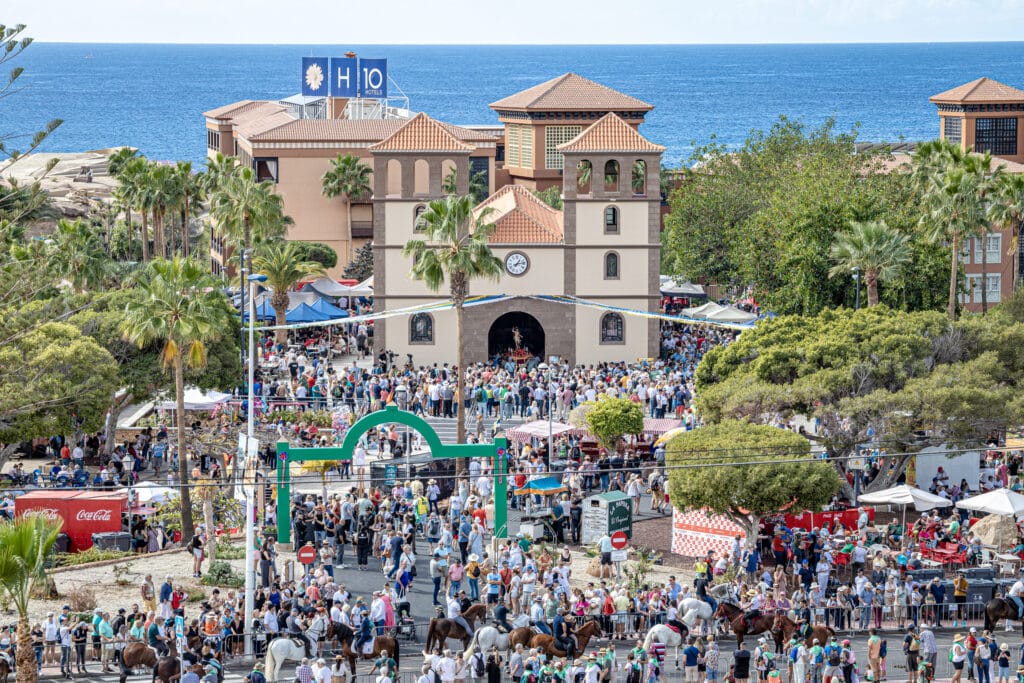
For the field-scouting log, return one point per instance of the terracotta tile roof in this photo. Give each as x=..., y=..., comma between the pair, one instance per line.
x=571, y=92
x=421, y=134
x=519, y=217
x=610, y=134
x=332, y=130
x=227, y=110
x=980, y=90
x=471, y=134
x=261, y=119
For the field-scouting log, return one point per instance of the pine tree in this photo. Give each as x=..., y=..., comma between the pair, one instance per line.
x=361, y=266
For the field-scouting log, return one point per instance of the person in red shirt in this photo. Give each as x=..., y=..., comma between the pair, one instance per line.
x=178, y=598
x=480, y=517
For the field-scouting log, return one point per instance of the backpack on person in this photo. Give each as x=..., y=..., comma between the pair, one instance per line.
x=478, y=665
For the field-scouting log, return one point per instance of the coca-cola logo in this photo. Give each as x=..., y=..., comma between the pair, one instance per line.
x=49, y=513
x=93, y=516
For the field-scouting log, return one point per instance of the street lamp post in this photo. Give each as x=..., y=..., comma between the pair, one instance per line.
x=243, y=254
x=250, y=494
x=856, y=278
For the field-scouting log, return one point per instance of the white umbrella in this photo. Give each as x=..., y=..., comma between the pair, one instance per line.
x=904, y=496
x=997, y=502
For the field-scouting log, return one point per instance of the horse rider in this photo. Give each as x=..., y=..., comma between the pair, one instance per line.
x=1015, y=592
x=455, y=614
x=753, y=609
x=537, y=616
x=673, y=620
x=365, y=632
x=501, y=618
x=156, y=638
x=295, y=628
x=562, y=628
x=701, y=584
x=803, y=619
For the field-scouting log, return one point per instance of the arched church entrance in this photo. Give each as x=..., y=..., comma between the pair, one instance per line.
x=516, y=333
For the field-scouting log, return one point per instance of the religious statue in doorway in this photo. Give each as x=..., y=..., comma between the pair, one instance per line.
x=517, y=337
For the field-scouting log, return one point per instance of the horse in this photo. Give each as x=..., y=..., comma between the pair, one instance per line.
x=135, y=655
x=487, y=638
x=692, y=609
x=584, y=633
x=441, y=628
x=659, y=633
x=783, y=627
x=5, y=669
x=281, y=649
x=737, y=620
x=346, y=637
x=999, y=608
x=167, y=669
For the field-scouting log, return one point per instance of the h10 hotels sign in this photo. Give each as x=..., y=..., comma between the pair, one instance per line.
x=344, y=77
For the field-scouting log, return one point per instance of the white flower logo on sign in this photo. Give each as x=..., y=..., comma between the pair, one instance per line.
x=314, y=76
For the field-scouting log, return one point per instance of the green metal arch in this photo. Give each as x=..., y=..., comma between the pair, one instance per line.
x=389, y=415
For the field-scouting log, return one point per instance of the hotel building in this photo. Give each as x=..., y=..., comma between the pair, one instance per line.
x=602, y=246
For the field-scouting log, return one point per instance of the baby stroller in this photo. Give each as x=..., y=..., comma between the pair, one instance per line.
x=406, y=627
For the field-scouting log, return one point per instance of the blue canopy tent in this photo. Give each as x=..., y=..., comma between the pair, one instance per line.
x=545, y=486
x=328, y=309
x=264, y=311
x=304, y=313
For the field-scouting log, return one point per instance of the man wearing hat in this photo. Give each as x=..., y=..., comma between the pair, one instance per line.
x=256, y=675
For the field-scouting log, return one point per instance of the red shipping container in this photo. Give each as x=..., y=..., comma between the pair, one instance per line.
x=84, y=513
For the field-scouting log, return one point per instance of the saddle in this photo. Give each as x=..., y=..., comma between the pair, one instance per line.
x=673, y=629
x=368, y=647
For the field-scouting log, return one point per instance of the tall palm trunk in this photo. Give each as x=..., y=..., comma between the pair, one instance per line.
x=186, y=247
x=348, y=231
x=984, y=273
x=25, y=658
x=145, y=235
x=871, y=278
x=954, y=271
x=187, y=525
x=131, y=234
x=279, y=302
x=211, y=531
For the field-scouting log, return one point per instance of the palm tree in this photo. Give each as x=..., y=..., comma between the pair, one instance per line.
x=134, y=191
x=181, y=306
x=206, y=490
x=456, y=250
x=879, y=251
x=953, y=186
x=1006, y=205
x=477, y=186
x=75, y=253
x=282, y=264
x=348, y=178
x=118, y=161
x=168, y=194
x=25, y=546
x=192, y=189
x=246, y=209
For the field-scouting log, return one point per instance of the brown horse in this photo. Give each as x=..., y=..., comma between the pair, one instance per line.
x=999, y=608
x=783, y=627
x=546, y=644
x=135, y=655
x=167, y=670
x=737, y=620
x=441, y=628
x=5, y=670
x=346, y=637
x=520, y=636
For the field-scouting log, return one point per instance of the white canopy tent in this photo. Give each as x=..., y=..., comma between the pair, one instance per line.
x=905, y=496
x=670, y=287
x=363, y=288
x=148, y=493
x=713, y=312
x=328, y=287
x=996, y=502
x=196, y=399
x=537, y=429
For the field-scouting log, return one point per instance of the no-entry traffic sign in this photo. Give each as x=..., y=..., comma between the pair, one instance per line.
x=619, y=540
x=307, y=554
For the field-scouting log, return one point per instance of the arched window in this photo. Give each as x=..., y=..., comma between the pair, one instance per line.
x=613, y=329
x=611, y=220
x=639, y=178
x=611, y=266
x=421, y=329
x=417, y=222
x=421, y=177
x=584, y=171
x=611, y=176
x=394, y=180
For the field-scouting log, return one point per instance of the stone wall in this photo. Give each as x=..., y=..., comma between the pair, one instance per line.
x=558, y=321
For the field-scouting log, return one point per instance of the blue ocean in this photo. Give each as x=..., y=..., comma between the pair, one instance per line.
x=152, y=96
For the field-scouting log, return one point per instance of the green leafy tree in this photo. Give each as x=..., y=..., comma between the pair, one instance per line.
x=878, y=251
x=281, y=263
x=245, y=209
x=348, y=178
x=25, y=547
x=133, y=191
x=610, y=419
x=477, y=185
x=181, y=307
x=551, y=196
x=871, y=375
x=456, y=250
x=319, y=252
x=75, y=254
x=361, y=266
x=746, y=471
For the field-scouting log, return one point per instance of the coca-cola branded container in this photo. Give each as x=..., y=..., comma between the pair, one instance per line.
x=84, y=513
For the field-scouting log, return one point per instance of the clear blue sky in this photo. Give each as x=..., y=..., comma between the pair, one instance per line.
x=532, y=21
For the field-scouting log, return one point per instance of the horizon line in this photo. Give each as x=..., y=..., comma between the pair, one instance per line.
x=527, y=45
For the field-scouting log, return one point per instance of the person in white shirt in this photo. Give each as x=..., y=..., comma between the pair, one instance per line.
x=446, y=667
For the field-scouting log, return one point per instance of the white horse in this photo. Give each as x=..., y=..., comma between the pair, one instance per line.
x=692, y=609
x=280, y=650
x=666, y=636
x=487, y=637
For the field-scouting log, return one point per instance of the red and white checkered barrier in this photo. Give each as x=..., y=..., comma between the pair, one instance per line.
x=694, y=532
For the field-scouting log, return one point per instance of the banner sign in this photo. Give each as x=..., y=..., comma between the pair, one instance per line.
x=315, y=77
x=373, y=78
x=344, y=76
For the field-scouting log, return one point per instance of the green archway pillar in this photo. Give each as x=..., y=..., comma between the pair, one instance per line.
x=497, y=452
